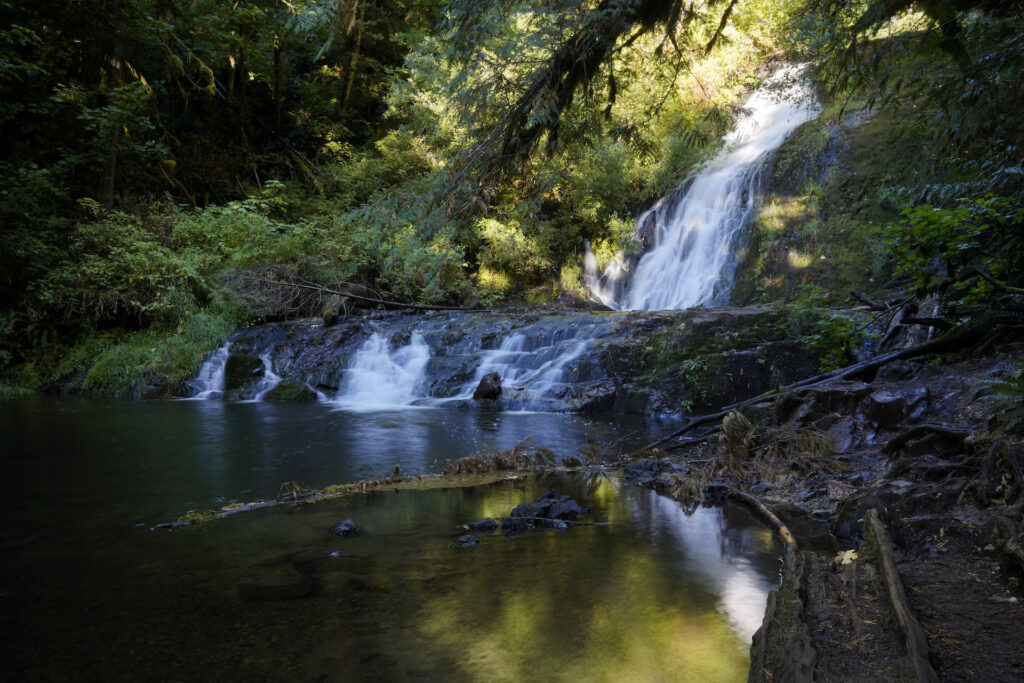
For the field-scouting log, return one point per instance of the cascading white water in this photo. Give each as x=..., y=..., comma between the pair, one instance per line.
x=209, y=383
x=268, y=380
x=379, y=378
x=693, y=258
x=535, y=361
x=602, y=285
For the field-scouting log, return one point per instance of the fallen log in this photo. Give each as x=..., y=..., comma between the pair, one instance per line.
x=873, y=304
x=765, y=513
x=367, y=299
x=913, y=634
x=905, y=311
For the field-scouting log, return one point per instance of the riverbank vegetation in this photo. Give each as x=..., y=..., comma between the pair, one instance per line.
x=157, y=154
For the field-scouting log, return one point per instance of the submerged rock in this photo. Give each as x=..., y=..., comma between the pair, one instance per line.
x=512, y=525
x=550, y=506
x=485, y=524
x=467, y=541
x=344, y=528
x=489, y=387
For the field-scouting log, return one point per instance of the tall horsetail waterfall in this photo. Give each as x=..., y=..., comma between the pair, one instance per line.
x=696, y=231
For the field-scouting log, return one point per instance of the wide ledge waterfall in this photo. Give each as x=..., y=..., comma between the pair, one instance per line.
x=546, y=362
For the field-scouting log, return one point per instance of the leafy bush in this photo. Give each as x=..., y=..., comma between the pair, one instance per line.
x=832, y=334
x=943, y=247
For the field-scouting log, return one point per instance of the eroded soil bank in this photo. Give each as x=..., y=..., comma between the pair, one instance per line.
x=904, y=498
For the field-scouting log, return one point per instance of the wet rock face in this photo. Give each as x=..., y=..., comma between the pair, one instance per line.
x=633, y=362
x=489, y=387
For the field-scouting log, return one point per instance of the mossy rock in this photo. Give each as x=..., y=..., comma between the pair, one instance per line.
x=290, y=390
x=240, y=371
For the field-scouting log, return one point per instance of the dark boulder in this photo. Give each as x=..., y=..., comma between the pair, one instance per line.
x=489, y=387
x=484, y=525
x=467, y=541
x=522, y=510
x=344, y=528
x=550, y=506
x=567, y=508
x=889, y=408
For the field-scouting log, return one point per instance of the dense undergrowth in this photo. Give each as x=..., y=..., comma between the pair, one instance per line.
x=146, y=179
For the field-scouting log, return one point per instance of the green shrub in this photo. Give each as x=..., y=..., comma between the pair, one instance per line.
x=830, y=333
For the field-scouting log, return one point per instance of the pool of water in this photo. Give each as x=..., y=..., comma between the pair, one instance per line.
x=89, y=593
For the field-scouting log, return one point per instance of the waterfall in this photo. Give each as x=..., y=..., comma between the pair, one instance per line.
x=534, y=364
x=268, y=381
x=209, y=383
x=696, y=231
x=602, y=285
x=379, y=378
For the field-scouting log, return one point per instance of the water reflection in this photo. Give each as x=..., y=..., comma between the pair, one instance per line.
x=655, y=594
x=152, y=461
x=725, y=549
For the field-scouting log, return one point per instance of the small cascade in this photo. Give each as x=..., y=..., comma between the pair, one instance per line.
x=534, y=363
x=268, y=380
x=602, y=285
x=379, y=377
x=209, y=383
x=697, y=231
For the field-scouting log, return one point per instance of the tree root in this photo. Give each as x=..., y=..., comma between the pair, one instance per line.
x=914, y=635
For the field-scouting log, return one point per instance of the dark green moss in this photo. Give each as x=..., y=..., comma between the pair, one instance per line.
x=290, y=390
